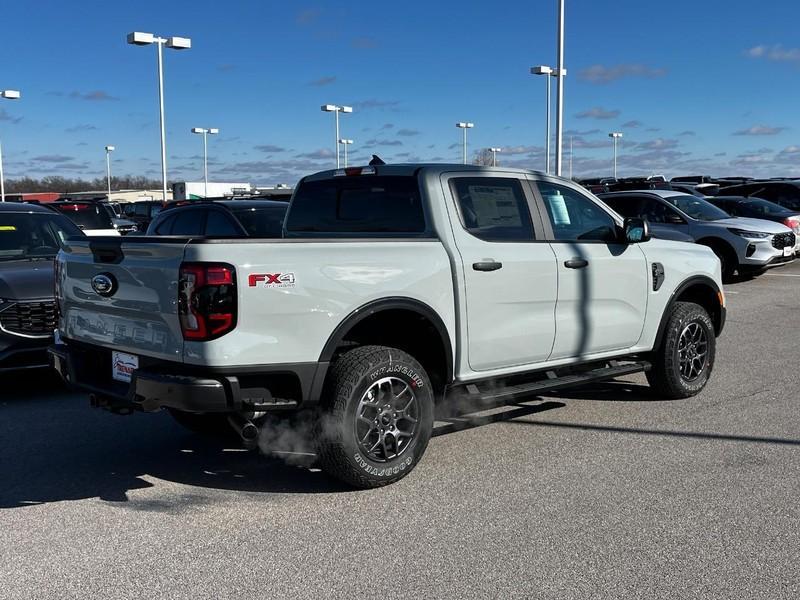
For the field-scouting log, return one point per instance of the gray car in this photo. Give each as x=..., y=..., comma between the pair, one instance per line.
x=742, y=244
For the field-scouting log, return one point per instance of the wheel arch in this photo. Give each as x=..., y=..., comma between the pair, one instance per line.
x=388, y=322
x=701, y=290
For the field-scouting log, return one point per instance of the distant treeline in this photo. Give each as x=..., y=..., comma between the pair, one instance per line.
x=67, y=185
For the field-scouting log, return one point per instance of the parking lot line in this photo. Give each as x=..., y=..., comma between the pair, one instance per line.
x=783, y=274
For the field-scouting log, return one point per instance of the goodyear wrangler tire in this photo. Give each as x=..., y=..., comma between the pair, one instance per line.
x=682, y=365
x=377, y=416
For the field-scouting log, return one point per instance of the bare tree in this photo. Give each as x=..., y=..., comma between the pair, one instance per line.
x=483, y=157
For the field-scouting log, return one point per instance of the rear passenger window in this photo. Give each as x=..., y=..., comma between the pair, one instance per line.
x=219, y=224
x=576, y=217
x=188, y=222
x=493, y=208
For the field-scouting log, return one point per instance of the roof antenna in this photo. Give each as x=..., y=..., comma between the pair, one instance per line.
x=376, y=160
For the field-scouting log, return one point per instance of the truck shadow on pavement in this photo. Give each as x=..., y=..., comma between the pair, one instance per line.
x=54, y=448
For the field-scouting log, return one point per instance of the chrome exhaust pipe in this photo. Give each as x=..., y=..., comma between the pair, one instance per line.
x=246, y=429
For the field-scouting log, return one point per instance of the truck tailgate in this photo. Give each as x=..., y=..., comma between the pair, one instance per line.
x=139, y=313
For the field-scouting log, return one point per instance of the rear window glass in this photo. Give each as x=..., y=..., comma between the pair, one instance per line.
x=388, y=205
x=189, y=222
x=261, y=222
x=86, y=216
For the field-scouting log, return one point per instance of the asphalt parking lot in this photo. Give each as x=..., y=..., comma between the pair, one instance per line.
x=601, y=493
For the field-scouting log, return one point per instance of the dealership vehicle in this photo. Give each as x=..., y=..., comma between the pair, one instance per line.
x=393, y=288
x=756, y=208
x=30, y=238
x=783, y=192
x=124, y=226
x=232, y=218
x=744, y=245
x=90, y=217
x=142, y=212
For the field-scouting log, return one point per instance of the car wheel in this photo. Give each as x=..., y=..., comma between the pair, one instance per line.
x=683, y=363
x=377, y=416
x=207, y=424
x=728, y=261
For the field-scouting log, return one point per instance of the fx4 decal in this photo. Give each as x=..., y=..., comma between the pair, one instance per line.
x=282, y=280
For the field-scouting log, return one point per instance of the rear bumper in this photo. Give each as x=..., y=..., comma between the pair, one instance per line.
x=171, y=385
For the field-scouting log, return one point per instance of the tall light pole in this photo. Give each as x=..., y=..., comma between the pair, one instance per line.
x=176, y=43
x=336, y=110
x=465, y=125
x=570, y=157
x=560, y=73
x=615, y=135
x=494, y=152
x=548, y=72
x=345, y=143
x=205, y=131
x=8, y=95
x=109, y=150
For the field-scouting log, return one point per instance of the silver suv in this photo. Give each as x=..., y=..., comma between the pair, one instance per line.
x=742, y=244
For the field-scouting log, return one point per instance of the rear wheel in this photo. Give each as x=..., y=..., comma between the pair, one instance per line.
x=377, y=416
x=682, y=365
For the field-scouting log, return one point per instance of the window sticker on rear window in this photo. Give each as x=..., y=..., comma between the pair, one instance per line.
x=495, y=205
x=7, y=228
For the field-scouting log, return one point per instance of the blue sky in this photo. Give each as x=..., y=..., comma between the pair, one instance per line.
x=707, y=87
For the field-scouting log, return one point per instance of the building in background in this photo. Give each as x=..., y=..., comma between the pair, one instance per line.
x=195, y=190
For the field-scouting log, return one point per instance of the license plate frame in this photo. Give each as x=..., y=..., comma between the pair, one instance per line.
x=123, y=365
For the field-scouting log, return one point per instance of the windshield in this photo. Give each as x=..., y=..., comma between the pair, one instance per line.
x=697, y=208
x=261, y=222
x=29, y=235
x=757, y=206
x=86, y=216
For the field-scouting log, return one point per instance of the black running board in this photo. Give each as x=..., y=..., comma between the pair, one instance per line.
x=494, y=391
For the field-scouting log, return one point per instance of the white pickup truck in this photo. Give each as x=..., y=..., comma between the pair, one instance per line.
x=394, y=288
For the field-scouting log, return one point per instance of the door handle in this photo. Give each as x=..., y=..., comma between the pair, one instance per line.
x=487, y=265
x=576, y=263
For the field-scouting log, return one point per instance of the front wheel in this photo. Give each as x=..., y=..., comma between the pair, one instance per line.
x=683, y=363
x=377, y=416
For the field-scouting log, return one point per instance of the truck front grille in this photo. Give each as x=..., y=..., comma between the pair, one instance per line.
x=37, y=319
x=783, y=240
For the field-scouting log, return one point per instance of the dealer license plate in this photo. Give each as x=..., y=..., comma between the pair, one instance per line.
x=123, y=365
x=788, y=251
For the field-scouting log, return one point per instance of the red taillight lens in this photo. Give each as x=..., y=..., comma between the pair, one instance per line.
x=792, y=223
x=206, y=300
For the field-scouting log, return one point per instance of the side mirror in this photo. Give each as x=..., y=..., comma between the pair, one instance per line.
x=636, y=230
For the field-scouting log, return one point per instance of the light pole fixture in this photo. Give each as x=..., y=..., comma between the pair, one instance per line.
x=335, y=109
x=494, y=152
x=8, y=95
x=205, y=133
x=549, y=72
x=139, y=38
x=615, y=135
x=465, y=125
x=109, y=150
x=345, y=143
x=560, y=73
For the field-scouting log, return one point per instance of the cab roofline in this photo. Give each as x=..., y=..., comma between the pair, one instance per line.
x=411, y=169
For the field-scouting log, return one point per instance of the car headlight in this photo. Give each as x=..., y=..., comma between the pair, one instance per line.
x=757, y=235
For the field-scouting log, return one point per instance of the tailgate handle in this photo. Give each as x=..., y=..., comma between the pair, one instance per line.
x=487, y=265
x=107, y=252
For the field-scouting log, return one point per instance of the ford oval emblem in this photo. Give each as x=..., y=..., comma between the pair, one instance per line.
x=104, y=284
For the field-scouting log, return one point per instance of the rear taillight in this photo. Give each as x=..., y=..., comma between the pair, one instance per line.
x=793, y=223
x=206, y=300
